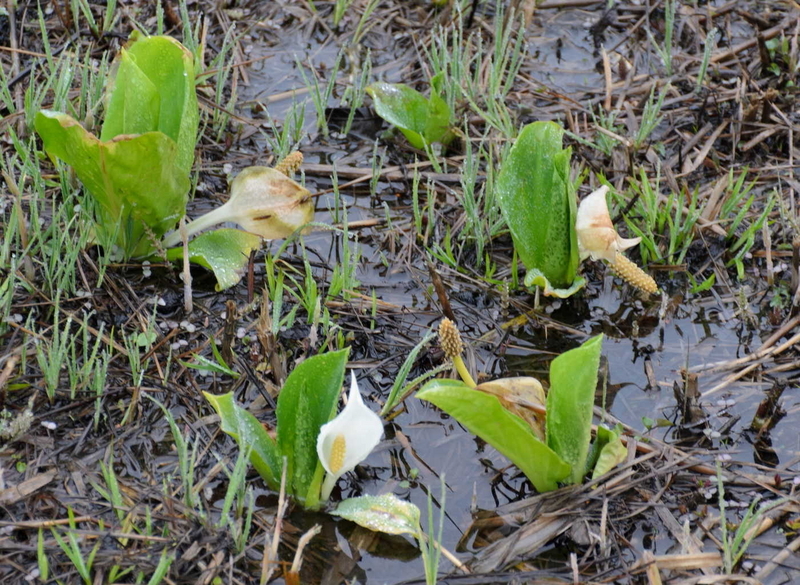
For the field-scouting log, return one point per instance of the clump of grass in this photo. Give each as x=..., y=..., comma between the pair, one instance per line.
x=735, y=545
x=54, y=353
x=651, y=117
x=481, y=75
x=736, y=215
x=286, y=136
x=665, y=51
x=72, y=548
x=665, y=223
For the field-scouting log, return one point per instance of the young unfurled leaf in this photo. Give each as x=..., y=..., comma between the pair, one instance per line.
x=422, y=121
x=155, y=80
x=385, y=513
x=538, y=202
x=484, y=415
x=570, y=402
x=608, y=451
x=224, y=251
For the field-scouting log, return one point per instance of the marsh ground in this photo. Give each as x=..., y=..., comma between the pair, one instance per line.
x=692, y=118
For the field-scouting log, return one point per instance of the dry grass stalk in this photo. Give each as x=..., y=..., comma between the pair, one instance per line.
x=293, y=575
x=187, y=273
x=269, y=561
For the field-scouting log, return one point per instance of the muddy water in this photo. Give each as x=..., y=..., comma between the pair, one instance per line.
x=648, y=344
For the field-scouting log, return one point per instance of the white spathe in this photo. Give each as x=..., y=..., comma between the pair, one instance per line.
x=346, y=441
x=263, y=201
x=596, y=234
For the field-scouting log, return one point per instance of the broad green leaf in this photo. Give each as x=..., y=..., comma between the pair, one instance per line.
x=484, y=415
x=155, y=74
x=611, y=451
x=440, y=117
x=307, y=401
x=539, y=205
x=420, y=120
x=573, y=380
x=225, y=251
x=134, y=105
x=245, y=428
x=385, y=513
x=603, y=435
x=133, y=178
x=563, y=169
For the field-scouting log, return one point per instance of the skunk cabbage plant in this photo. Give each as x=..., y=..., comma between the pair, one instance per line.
x=138, y=169
x=422, y=121
x=539, y=204
x=548, y=450
x=308, y=437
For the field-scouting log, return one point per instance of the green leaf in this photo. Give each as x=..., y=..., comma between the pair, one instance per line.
x=385, y=513
x=225, y=251
x=134, y=105
x=134, y=179
x=703, y=286
x=155, y=81
x=539, y=205
x=245, y=428
x=563, y=168
x=438, y=128
x=573, y=379
x=206, y=365
x=307, y=401
x=483, y=415
x=420, y=120
x=612, y=451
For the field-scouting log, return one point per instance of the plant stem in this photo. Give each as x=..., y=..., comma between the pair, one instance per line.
x=461, y=367
x=327, y=487
x=212, y=218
